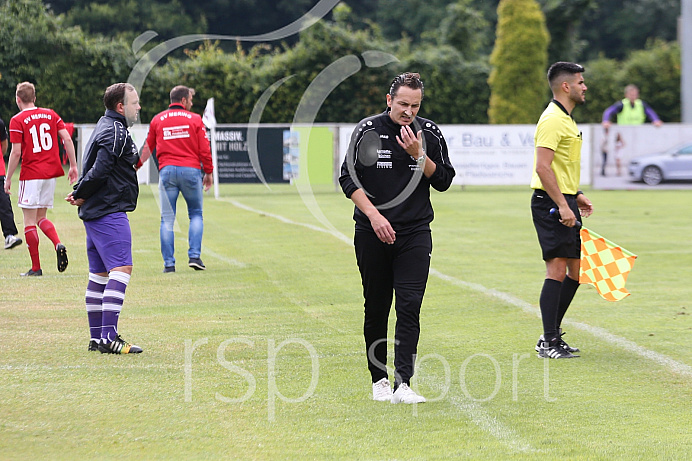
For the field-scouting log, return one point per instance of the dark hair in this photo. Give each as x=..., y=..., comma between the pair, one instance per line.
x=179, y=92
x=561, y=68
x=408, y=79
x=115, y=94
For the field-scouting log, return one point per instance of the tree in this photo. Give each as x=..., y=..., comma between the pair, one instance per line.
x=603, y=88
x=456, y=90
x=656, y=71
x=614, y=28
x=519, y=61
x=168, y=19
x=465, y=29
x=563, y=19
x=70, y=70
x=410, y=19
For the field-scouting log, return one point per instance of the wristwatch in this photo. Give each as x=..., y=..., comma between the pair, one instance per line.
x=420, y=161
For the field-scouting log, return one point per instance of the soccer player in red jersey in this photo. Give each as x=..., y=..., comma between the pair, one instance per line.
x=34, y=133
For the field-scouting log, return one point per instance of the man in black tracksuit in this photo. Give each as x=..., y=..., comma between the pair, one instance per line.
x=393, y=159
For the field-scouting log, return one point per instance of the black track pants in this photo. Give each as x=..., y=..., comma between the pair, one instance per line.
x=400, y=269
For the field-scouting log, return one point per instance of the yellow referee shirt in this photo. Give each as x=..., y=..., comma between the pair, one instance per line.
x=557, y=131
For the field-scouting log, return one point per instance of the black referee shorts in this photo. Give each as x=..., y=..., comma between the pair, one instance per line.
x=556, y=240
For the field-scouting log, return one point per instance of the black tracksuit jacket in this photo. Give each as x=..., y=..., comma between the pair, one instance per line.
x=377, y=163
x=108, y=182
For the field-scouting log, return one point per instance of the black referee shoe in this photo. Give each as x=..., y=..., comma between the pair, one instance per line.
x=562, y=342
x=553, y=350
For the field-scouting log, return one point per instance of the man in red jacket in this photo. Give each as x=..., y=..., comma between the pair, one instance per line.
x=179, y=140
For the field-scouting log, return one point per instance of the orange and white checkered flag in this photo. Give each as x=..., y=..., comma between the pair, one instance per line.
x=604, y=265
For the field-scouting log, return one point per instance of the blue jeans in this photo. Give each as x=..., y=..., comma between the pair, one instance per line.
x=174, y=180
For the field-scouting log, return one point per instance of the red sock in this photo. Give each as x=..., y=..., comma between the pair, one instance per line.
x=49, y=229
x=31, y=238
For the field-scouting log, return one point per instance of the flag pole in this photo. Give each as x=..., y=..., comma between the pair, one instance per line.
x=210, y=122
x=216, y=163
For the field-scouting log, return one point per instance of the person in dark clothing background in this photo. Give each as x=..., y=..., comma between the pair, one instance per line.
x=9, y=229
x=393, y=159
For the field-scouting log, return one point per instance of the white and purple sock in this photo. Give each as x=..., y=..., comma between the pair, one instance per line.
x=93, y=300
x=113, y=297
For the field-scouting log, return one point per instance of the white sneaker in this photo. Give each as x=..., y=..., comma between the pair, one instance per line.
x=382, y=390
x=12, y=241
x=405, y=394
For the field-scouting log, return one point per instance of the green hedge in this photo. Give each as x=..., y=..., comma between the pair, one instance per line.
x=71, y=71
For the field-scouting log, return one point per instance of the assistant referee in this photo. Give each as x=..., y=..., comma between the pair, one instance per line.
x=392, y=161
x=556, y=185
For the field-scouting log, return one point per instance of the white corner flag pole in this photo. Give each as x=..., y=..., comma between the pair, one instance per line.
x=210, y=122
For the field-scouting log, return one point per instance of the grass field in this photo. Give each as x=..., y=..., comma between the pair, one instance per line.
x=261, y=356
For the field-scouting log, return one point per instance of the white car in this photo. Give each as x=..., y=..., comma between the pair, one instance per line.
x=653, y=169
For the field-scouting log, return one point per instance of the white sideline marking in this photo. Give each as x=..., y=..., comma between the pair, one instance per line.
x=487, y=422
x=206, y=251
x=600, y=333
x=490, y=424
x=34, y=367
x=337, y=234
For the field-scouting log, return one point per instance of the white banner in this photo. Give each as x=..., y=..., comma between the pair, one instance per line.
x=138, y=133
x=490, y=155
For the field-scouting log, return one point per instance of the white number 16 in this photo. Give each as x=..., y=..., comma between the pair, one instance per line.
x=46, y=140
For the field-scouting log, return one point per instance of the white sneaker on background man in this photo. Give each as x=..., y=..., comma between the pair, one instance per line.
x=382, y=390
x=405, y=394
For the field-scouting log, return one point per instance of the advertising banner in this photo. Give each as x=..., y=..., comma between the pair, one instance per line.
x=234, y=163
x=491, y=155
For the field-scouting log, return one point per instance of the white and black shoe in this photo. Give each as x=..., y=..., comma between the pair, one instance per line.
x=562, y=342
x=12, y=241
x=554, y=350
x=119, y=346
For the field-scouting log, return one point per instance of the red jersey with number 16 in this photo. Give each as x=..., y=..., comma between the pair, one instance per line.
x=36, y=129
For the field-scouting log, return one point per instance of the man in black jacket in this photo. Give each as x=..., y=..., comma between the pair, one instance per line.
x=392, y=161
x=106, y=190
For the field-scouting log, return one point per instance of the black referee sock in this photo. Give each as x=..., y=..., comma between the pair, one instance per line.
x=549, y=302
x=569, y=289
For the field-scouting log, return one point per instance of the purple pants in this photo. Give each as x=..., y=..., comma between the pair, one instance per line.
x=109, y=242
